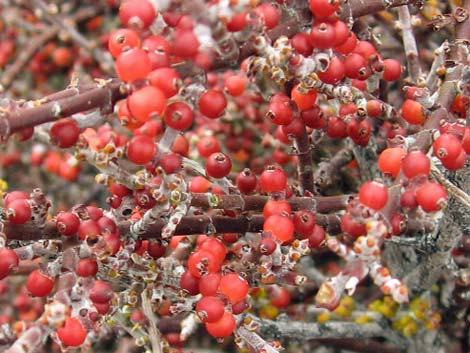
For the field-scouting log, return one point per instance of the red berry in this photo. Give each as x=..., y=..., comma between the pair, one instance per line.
x=210, y=309
x=334, y=73
x=294, y=129
x=398, y=224
x=87, y=267
x=273, y=179
x=270, y=13
x=280, y=226
x=137, y=13
x=447, y=147
x=408, y=199
x=356, y=66
x=121, y=40
x=223, y=327
x=323, y=35
x=234, y=287
x=324, y=8
x=8, y=261
x=39, y=284
x=457, y=163
x=342, y=33
x=301, y=43
x=166, y=79
x=314, y=118
x=18, y=211
x=72, y=334
x=156, y=249
x=304, y=222
x=415, y=163
x=431, y=196
x=185, y=43
x=246, y=181
x=235, y=85
x=15, y=195
x=273, y=207
x=237, y=22
x=202, y=262
x=317, y=237
x=267, y=246
x=215, y=246
x=240, y=307
x=337, y=127
x=351, y=226
x=101, y=292
x=392, y=70
x=413, y=112
x=303, y=100
x=373, y=195
x=390, y=160
x=133, y=64
x=95, y=213
x=209, y=284
x=280, y=297
x=67, y=223
x=218, y=165
x=189, y=283
x=375, y=108
x=280, y=112
x=156, y=43
x=208, y=145
x=212, y=104
x=365, y=48
x=146, y=103
x=171, y=163
x=65, y=132
x=179, y=116
x=141, y=149
x=89, y=229
x=348, y=46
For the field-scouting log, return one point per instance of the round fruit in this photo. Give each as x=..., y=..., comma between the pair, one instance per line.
x=373, y=195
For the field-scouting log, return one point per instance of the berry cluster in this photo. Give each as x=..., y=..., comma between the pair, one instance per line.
x=250, y=158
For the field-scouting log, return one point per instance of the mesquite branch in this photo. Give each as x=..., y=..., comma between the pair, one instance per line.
x=63, y=104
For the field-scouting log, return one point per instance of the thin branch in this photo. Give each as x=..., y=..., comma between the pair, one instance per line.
x=321, y=204
x=102, y=96
x=188, y=225
x=305, y=165
x=409, y=43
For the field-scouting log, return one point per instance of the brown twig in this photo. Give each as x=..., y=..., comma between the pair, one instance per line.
x=189, y=225
x=75, y=101
x=305, y=165
x=321, y=204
